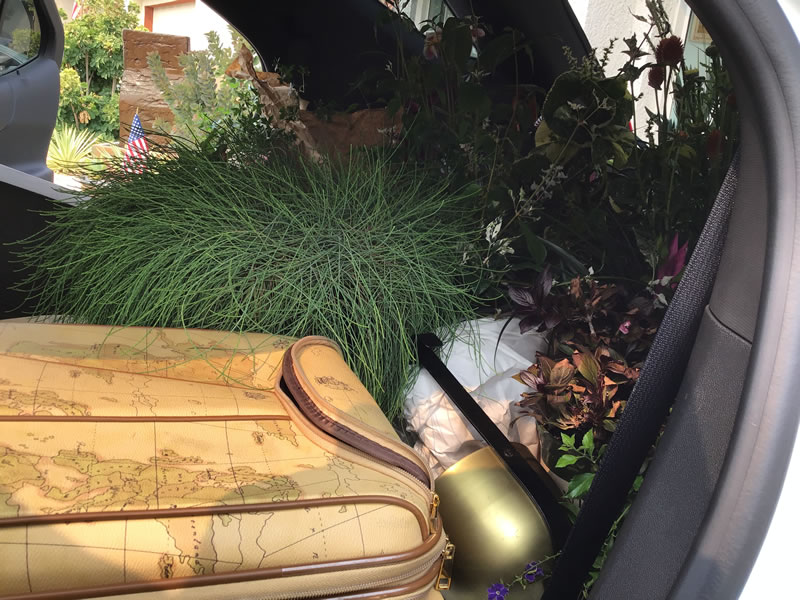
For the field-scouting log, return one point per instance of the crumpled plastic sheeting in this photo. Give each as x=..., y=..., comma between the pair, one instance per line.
x=485, y=368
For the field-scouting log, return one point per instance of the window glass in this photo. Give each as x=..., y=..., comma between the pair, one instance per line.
x=20, y=33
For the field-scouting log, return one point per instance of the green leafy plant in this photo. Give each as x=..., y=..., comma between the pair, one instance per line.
x=246, y=235
x=588, y=455
x=578, y=392
x=93, y=53
x=70, y=149
x=566, y=175
x=205, y=94
x=459, y=115
x=26, y=41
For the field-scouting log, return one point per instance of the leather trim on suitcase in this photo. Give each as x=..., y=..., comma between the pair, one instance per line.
x=429, y=545
x=155, y=513
x=302, y=397
x=406, y=569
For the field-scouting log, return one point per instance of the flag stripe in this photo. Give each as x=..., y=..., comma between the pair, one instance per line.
x=136, y=149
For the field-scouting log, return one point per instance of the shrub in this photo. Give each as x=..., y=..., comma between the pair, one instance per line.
x=255, y=238
x=70, y=149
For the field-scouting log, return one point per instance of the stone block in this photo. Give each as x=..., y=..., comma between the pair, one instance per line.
x=137, y=90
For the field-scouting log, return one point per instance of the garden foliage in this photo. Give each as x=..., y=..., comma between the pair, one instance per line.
x=242, y=234
x=205, y=95
x=564, y=180
x=92, y=66
x=588, y=213
x=70, y=149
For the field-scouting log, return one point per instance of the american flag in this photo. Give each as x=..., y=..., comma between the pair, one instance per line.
x=136, y=150
x=76, y=10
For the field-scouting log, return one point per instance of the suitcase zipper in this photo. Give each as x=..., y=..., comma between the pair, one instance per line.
x=303, y=396
x=446, y=558
x=430, y=496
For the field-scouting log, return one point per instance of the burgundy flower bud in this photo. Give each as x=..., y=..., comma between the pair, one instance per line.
x=656, y=76
x=669, y=51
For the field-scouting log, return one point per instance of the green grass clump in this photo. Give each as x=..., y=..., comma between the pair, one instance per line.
x=256, y=239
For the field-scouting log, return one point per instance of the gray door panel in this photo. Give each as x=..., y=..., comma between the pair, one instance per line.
x=23, y=198
x=31, y=47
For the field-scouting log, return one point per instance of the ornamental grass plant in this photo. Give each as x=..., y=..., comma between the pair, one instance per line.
x=252, y=237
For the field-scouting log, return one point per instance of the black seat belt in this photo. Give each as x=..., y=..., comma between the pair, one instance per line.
x=533, y=479
x=648, y=405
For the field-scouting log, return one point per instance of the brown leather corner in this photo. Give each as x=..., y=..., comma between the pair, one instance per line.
x=342, y=432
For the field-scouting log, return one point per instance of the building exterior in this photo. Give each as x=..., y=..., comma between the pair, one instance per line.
x=606, y=20
x=190, y=18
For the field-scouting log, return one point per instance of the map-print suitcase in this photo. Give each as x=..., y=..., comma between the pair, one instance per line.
x=156, y=463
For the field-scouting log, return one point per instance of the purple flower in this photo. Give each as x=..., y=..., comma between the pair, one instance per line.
x=533, y=572
x=675, y=261
x=430, y=49
x=625, y=327
x=497, y=591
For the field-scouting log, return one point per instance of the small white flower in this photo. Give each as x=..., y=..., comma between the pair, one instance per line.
x=505, y=247
x=493, y=229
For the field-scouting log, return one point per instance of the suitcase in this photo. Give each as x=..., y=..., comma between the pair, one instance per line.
x=162, y=463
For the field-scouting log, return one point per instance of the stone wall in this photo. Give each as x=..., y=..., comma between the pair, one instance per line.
x=137, y=90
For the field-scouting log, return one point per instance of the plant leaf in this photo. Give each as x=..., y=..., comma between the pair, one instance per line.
x=529, y=322
x=579, y=485
x=546, y=365
x=536, y=249
x=565, y=460
x=587, y=443
x=561, y=373
x=587, y=366
x=522, y=297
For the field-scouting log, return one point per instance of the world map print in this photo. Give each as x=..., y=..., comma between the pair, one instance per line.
x=93, y=422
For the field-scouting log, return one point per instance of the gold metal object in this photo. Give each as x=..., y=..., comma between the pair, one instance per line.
x=435, y=506
x=495, y=525
x=445, y=579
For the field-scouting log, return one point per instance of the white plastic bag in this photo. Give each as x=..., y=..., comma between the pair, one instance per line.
x=485, y=368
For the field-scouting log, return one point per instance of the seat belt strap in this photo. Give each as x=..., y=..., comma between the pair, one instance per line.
x=649, y=403
x=535, y=482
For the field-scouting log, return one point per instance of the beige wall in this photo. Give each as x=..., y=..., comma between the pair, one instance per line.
x=604, y=20
x=190, y=19
x=65, y=5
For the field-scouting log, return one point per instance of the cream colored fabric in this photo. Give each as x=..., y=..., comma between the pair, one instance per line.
x=338, y=392
x=200, y=355
x=66, y=387
x=336, y=383
x=326, y=585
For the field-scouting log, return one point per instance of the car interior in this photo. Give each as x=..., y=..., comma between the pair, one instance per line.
x=697, y=524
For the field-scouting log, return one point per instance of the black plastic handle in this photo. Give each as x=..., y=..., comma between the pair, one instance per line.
x=536, y=484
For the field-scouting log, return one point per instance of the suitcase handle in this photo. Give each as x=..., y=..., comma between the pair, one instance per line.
x=533, y=480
